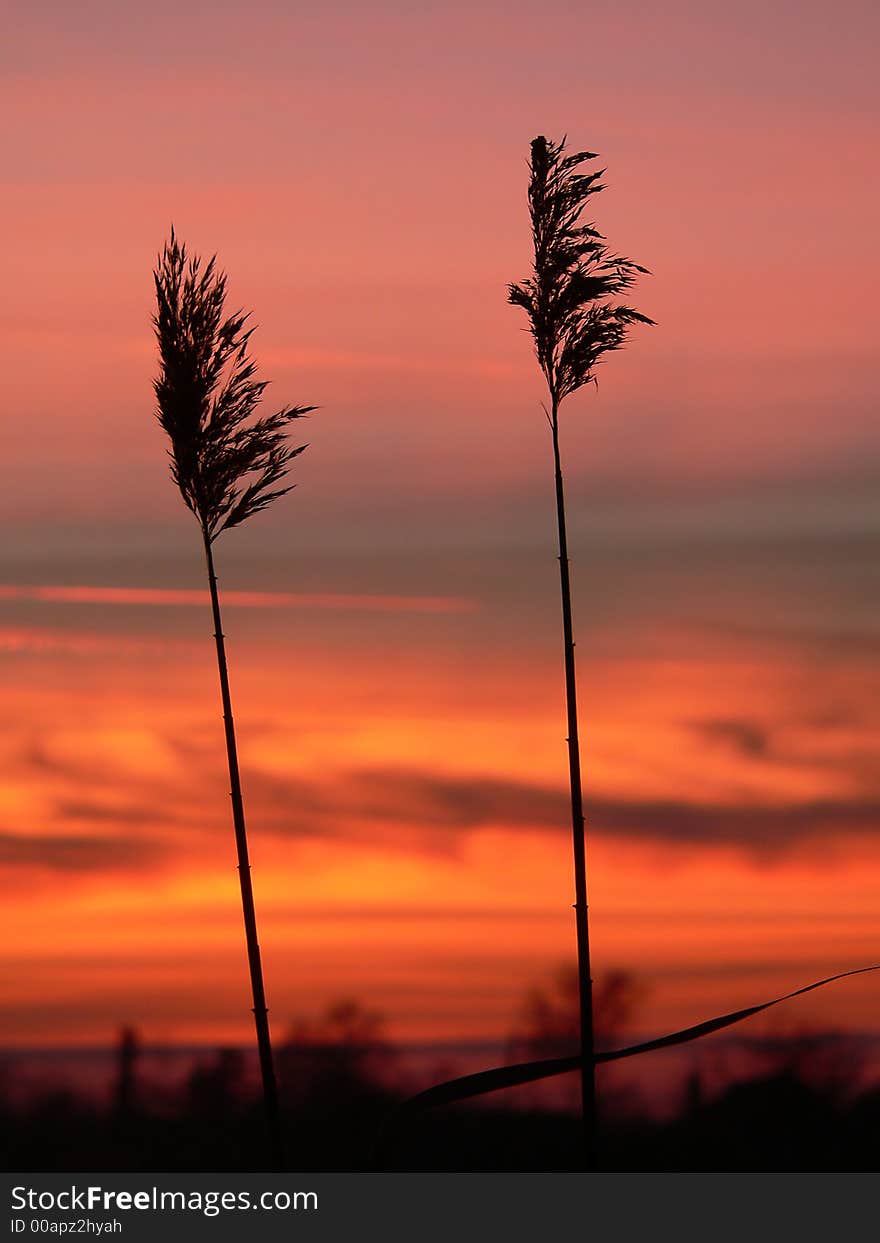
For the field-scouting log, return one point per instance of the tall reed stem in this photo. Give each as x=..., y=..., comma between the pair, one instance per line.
x=582, y=928
x=260, y=1010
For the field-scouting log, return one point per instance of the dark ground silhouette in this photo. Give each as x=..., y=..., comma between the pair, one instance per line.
x=799, y=1111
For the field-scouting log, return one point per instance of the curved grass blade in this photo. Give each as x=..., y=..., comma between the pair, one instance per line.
x=725, y=1020
x=530, y=1072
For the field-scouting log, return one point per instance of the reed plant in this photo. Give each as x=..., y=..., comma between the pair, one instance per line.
x=228, y=464
x=575, y=319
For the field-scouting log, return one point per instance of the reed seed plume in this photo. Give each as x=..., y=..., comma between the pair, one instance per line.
x=568, y=297
x=227, y=464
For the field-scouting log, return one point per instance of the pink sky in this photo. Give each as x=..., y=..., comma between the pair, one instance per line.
x=361, y=175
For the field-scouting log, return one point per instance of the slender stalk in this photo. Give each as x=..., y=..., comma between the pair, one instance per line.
x=260, y=1010
x=582, y=929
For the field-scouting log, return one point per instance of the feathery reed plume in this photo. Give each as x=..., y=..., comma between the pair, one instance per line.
x=574, y=321
x=228, y=465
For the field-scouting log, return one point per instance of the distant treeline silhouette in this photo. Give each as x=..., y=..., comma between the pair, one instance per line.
x=803, y=1106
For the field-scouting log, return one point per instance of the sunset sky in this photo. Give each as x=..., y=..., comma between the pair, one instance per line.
x=393, y=625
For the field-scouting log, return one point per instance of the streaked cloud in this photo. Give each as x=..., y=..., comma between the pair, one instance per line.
x=418, y=811
x=43, y=640
x=429, y=803
x=747, y=737
x=75, y=852
x=170, y=597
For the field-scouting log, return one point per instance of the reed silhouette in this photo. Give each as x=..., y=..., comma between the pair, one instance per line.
x=228, y=466
x=574, y=321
